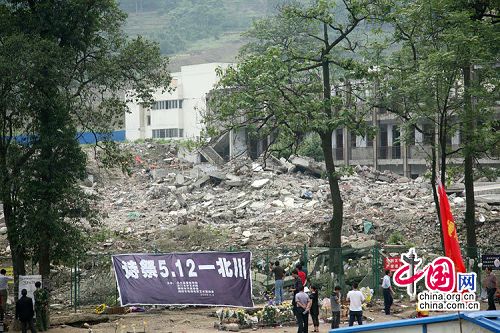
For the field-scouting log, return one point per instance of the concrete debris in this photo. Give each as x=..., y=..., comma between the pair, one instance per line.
x=258, y=184
x=260, y=205
x=308, y=165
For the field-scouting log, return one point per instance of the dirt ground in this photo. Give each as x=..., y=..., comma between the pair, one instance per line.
x=191, y=320
x=201, y=320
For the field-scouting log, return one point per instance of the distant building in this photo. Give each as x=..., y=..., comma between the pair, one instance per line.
x=388, y=151
x=176, y=114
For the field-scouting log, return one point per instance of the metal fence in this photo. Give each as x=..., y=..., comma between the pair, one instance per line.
x=90, y=280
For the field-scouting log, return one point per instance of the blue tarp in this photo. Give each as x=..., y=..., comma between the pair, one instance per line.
x=487, y=319
x=87, y=137
x=84, y=137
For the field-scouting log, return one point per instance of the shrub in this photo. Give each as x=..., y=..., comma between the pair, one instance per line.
x=311, y=147
x=396, y=238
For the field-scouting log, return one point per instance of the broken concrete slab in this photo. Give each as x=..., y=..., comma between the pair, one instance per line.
x=202, y=181
x=289, y=202
x=258, y=205
x=235, y=183
x=364, y=244
x=278, y=203
x=179, y=179
x=243, y=204
x=159, y=173
x=308, y=165
x=260, y=183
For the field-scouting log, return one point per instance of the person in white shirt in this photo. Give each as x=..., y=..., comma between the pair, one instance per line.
x=3, y=291
x=355, y=298
x=302, y=311
x=387, y=290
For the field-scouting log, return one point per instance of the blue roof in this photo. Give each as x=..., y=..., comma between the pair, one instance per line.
x=487, y=319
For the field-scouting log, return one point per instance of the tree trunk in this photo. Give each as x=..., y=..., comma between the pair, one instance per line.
x=16, y=248
x=442, y=145
x=335, y=224
x=45, y=216
x=47, y=124
x=435, y=195
x=468, y=131
x=335, y=227
x=44, y=261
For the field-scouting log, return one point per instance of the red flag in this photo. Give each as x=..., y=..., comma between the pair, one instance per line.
x=451, y=245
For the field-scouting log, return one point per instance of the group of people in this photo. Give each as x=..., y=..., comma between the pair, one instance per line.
x=305, y=304
x=25, y=308
x=25, y=312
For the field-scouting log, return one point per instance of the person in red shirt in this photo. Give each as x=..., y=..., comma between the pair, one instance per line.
x=301, y=273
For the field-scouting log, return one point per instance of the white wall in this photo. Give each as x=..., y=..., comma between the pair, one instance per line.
x=197, y=81
x=192, y=85
x=132, y=122
x=169, y=118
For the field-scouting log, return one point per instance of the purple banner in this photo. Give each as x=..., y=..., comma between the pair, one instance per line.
x=191, y=278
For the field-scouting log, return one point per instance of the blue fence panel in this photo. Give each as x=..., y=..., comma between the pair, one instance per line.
x=88, y=137
x=82, y=137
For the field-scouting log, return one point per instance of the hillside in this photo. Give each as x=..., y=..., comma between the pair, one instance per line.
x=195, y=31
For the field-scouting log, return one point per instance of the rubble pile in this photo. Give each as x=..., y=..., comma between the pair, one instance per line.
x=256, y=205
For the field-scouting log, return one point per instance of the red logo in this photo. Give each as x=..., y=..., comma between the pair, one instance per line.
x=439, y=275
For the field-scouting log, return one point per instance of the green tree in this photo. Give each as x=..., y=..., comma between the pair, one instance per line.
x=283, y=85
x=418, y=83
x=426, y=80
x=476, y=34
x=64, y=66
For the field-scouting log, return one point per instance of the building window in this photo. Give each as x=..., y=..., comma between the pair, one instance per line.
x=149, y=120
x=168, y=133
x=369, y=141
x=353, y=140
x=411, y=135
x=428, y=134
x=396, y=143
x=168, y=104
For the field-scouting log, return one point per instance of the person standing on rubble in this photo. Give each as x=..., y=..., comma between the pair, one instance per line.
x=24, y=312
x=388, y=292
x=314, y=310
x=41, y=307
x=297, y=284
x=490, y=283
x=301, y=273
x=279, y=275
x=356, y=299
x=335, y=301
x=303, y=306
x=4, y=287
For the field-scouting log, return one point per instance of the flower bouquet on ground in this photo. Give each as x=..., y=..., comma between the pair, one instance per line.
x=272, y=315
x=236, y=316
